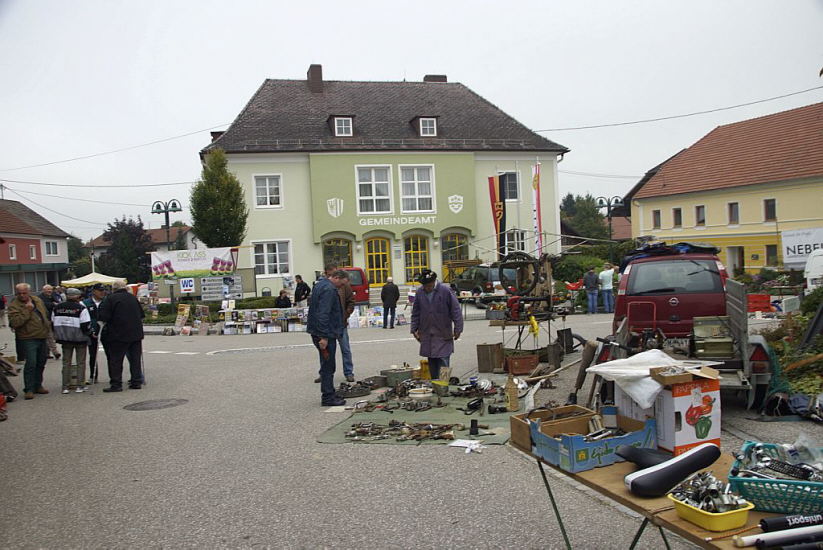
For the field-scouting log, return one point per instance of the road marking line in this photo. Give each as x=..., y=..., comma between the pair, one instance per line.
x=295, y=346
x=187, y=353
x=158, y=352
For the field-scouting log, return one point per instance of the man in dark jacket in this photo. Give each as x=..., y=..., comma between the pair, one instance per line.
x=301, y=292
x=49, y=300
x=93, y=303
x=283, y=301
x=30, y=321
x=389, y=295
x=591, y=283
x=71, y=322
x=122, y=318
x=325, y=324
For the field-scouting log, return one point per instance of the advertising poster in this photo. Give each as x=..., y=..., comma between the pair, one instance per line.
x=200, y=262
x=798, y=244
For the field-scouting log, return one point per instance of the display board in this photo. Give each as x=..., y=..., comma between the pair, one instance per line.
x=216, y=289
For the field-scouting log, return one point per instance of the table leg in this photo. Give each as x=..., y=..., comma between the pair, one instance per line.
x=554, y=505
x=665, y=540
x=640, y=532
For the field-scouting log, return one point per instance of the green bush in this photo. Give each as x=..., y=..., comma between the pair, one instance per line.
x=572, y=267
x=255, y=303
x=811, y=302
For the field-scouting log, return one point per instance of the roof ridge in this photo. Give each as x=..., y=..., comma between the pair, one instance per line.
x=770, y=115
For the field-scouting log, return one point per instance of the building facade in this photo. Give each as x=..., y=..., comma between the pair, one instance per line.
x=754, y=189
x=32, y=249
x=392, y=177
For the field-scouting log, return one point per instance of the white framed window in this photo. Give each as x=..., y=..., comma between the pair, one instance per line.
x=51, y=248
x=417, y=188
x=12, y=251
x=271, y=257
x=655, y=219
x=374, y=189
x=514, y=240
x=268, y=192
x=32, y=252
x=511, y=186
x=343, y=126
x=700, y=216
x=769, y=210
x=428, y=127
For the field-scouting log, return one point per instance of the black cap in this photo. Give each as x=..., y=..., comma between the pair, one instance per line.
x=98, y=286
x=426, y=276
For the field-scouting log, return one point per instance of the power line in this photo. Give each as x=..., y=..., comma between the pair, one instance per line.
x=596, y=175
x=100, y=154
x=679, y=116
x=87, y=222
x=74, y=198
x=98, y=186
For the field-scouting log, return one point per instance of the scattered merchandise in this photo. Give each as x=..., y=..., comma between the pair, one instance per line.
x=400, y=431
x=778, y=539
x=471, y=445
x=658, y=480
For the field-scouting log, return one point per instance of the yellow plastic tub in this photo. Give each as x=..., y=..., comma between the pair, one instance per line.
x=710, y=521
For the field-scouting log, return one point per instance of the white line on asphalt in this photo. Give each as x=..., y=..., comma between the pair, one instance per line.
x=187, y=353
x=295, y=346
x=158, y=352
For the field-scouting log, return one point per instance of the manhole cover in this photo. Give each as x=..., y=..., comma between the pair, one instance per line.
x=155, y=404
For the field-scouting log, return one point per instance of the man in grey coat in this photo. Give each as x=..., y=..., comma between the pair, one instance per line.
x=436, y=321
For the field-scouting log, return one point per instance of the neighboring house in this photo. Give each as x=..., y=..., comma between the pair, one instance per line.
x=99, y=245
x=389, y=176
x=33, y=250
x=753, y=188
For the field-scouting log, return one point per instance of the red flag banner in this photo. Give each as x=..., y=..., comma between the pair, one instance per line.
x=497, y=207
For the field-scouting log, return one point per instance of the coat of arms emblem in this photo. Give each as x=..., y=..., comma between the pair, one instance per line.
x=456, y=203
x=335, y=207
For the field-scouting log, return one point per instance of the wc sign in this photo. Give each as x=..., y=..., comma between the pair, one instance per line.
x=187, y=286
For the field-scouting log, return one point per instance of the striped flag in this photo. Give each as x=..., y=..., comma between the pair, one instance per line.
x=537, y=218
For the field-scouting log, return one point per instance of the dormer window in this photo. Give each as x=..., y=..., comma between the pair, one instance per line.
x=343, y=126
x=428, y=127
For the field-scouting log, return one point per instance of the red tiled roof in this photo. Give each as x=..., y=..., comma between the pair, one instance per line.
x=16, y=217
x=778, y=147
x=158, y=236
x=621, y=228
x=12, y=224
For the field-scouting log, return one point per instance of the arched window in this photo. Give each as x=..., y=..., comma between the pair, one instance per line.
x=416, y=249
x=454, y=246
x=378, y=261
x=337, y=251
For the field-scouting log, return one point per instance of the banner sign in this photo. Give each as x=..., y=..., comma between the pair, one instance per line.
x=799, y=243
x=497, y=197
x=536, y=215
x=215, y=289
x=201, y=262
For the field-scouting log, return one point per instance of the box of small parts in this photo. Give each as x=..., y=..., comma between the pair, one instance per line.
x=571, y=446
x=519, y=423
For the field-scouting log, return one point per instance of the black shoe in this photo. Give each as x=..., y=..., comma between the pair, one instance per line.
x=349, y=378
x=336, y=402
x=135, y=387
x=112, y=389
x=317, y=380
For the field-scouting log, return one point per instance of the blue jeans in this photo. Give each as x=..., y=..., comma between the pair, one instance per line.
x=386, y=312
x=608, y=300
x=327, y=368
x=434, y=366
x=592, y=295
x=36, y=356
x=345, y=351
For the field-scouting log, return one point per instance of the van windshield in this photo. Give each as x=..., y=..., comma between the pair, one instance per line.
x=355, y=278
x=674, y=277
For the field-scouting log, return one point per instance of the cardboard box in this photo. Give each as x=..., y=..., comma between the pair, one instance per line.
x=671, y=411
x=519, y=423
x=564, y=444
x=692, y=374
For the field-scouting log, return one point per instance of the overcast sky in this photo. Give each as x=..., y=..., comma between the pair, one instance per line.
x=85, y=77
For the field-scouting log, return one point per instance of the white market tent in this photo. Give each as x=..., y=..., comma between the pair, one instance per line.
x=90, y=279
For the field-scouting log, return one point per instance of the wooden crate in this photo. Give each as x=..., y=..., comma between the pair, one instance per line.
x=489, y=357
x=521, y=364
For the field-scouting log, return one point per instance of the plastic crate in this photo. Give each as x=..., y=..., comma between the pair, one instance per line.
x=722, y=521
x=782, y=496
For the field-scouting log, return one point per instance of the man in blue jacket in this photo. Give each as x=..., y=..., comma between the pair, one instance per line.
x=325, y=324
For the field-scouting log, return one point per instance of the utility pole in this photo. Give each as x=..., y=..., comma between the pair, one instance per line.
x=609, y=205
x=160, y=207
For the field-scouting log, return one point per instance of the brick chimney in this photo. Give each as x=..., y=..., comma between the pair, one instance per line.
x=315, y=78
x=435, y=78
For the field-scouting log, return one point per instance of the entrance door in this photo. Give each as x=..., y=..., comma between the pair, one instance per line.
x=735, y=257
x=378, y=261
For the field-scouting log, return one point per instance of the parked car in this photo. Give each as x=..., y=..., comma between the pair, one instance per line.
x=359, y=284
x=813, y=272
x=481, y=279
x=666, y=291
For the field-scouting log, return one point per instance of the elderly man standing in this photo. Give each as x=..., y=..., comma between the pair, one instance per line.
x=71, y=322
x=436, y=321
x=389, y=296
x=30, y=321
x=49, y=300
x=325, y=324
x=122, y=318
x=98, y=292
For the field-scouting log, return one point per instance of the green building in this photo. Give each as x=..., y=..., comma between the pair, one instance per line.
x=392, y=177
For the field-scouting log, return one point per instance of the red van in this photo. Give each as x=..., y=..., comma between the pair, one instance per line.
x=667, y=291
x=359, y=284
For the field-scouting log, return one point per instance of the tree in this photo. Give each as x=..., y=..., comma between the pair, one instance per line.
x=586, y=220
x=126, y=255
x=568, y=207
x=79, y=261
x=180, y=242
x=218, y=206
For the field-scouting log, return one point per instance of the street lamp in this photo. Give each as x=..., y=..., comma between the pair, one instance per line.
x=160, y=207
x=610, y=205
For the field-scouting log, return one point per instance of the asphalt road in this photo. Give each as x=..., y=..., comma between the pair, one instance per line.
x=237, y=465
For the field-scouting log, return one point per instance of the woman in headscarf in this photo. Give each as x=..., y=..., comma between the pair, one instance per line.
x=436, y=321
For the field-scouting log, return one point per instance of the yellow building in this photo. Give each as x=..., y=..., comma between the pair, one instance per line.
x=754, y=189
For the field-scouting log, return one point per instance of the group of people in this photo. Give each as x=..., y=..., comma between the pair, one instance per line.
x=42, y=321
x=599, y=283
x=436, y=322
